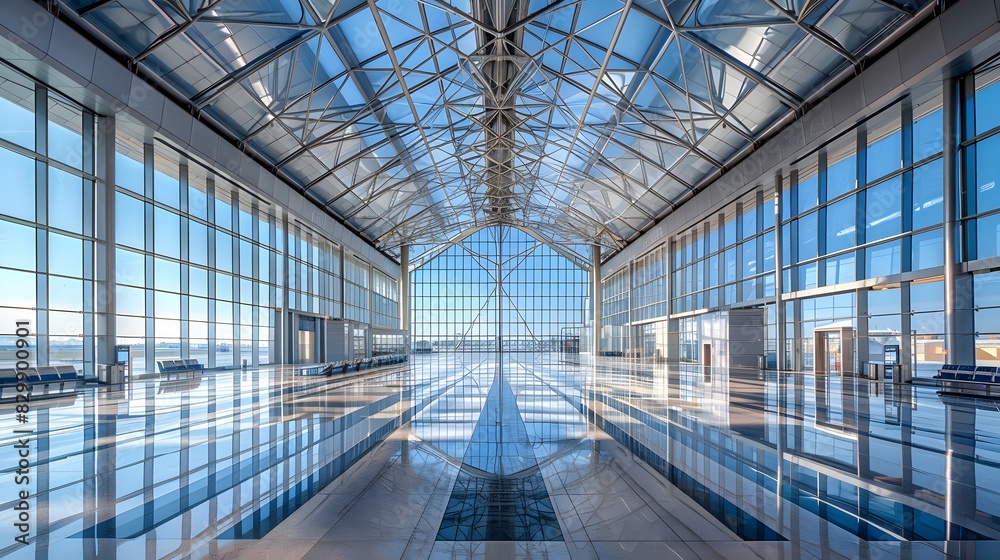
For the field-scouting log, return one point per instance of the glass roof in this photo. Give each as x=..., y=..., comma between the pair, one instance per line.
x=414, y=121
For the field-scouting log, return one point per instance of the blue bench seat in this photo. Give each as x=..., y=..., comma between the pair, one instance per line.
x=179, y=366
x=44, y=381
x=969, y=379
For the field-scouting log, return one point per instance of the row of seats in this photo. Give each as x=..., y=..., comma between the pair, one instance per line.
x=963, y=378
x=45, y=381
x=389, y=360
x=176, y=366
x=363, y=364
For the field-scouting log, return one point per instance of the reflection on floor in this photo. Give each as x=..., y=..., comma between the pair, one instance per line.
x=462, y=455
x=500, y=493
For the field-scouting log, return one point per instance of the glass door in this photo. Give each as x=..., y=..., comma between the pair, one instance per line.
x=834, y=356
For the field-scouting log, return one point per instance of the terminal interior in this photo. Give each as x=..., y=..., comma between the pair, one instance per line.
x=696, y=279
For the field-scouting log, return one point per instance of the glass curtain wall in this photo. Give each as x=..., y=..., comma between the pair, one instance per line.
x=861, y=215
x=386, y=336
x=728, y=259
x=200, y=263
x=987, y=289
x=385, y=300
x=356, y=277
x=313, y=273
x=499, y=289
x=980, y=205
x=868, y=205
x=649, y=280
x=981, y=200
x=46, y=225
x=196, y=263
x=615, y=316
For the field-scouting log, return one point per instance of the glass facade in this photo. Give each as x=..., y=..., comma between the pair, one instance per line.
x=862, y=244
x=615, y=314
x=47, y=239
x=356, y=276
x=202, y=267
x=313, y=273
x=727, y=259
x=499, y=289
x=649, y=279
x=385, y=300
x=197, y=263
x=980, y=204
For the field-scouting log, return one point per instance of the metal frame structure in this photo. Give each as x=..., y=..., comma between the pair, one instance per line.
x=583, y=121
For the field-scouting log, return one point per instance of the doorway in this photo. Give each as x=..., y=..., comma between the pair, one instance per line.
x=307, y=347
x=833, y=349
x=306, y=340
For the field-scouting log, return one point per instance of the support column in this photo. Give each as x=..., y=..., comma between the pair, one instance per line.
x=41, y=316
x=213, y=325
x=404, y=293
x=596, y=300
x=276, y=353
x=283, y=326
x=235, y=334
x=104, y=230
x=255, y=267
x=185, y=263
x=149, y=342
x=629, y=345
x=370, y=333
x=89, y=260
x=673, y=325
x=906, y=330
x=343, y=294
x=779, y=279
x=958, y=317
x=796, y=357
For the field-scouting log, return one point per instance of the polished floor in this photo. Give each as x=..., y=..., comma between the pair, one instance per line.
x=519, y=455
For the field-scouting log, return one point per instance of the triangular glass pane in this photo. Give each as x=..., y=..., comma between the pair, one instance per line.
x=233, y=46
x=638, y=37
x=268, y=11
x=745, y=11
x=398, y=30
